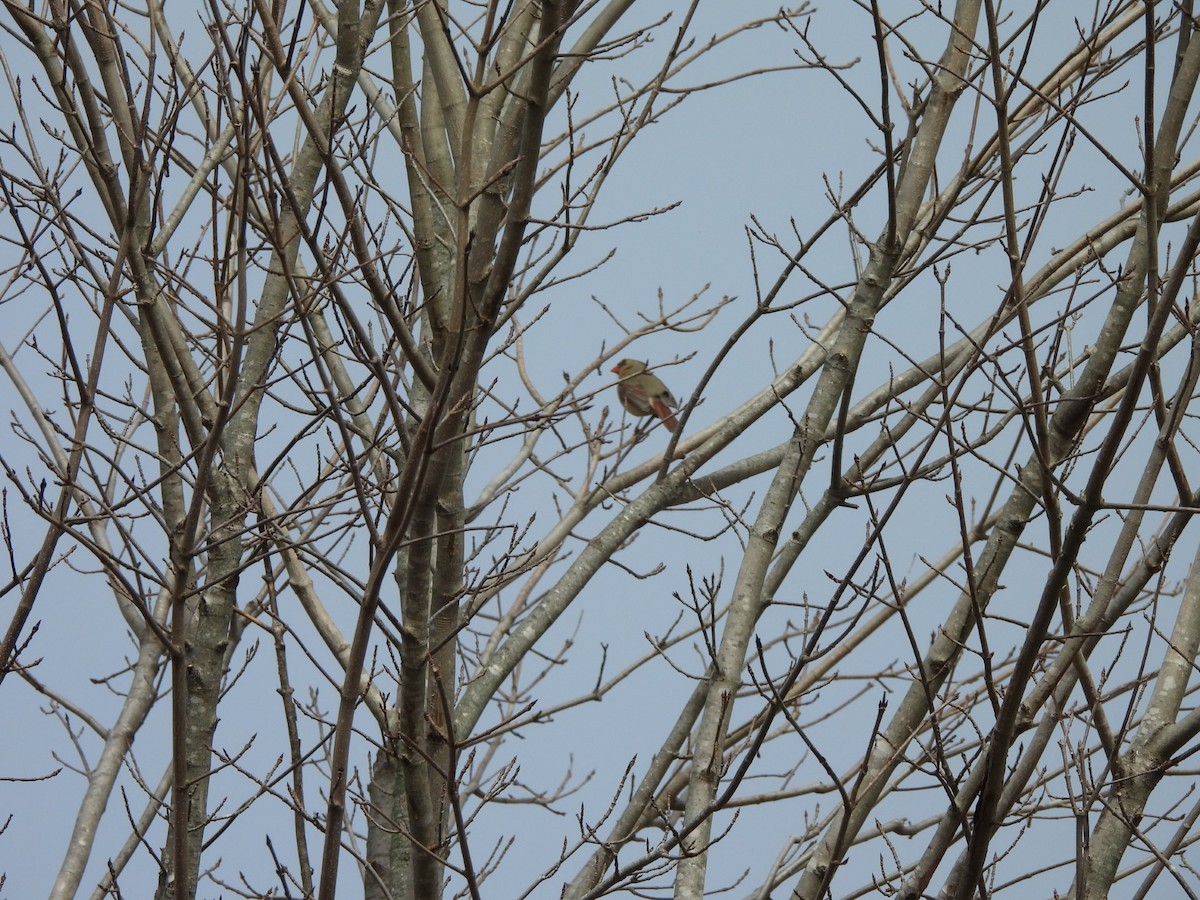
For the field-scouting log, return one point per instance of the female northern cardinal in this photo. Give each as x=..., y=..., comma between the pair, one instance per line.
x=644, y=394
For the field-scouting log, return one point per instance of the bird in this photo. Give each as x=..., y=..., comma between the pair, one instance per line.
x=644, y=394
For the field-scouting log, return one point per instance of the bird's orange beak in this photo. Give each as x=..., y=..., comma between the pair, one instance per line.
x=616, y=370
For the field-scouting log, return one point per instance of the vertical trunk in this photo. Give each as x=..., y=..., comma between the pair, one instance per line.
x=389, y=846
x=204, y=643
